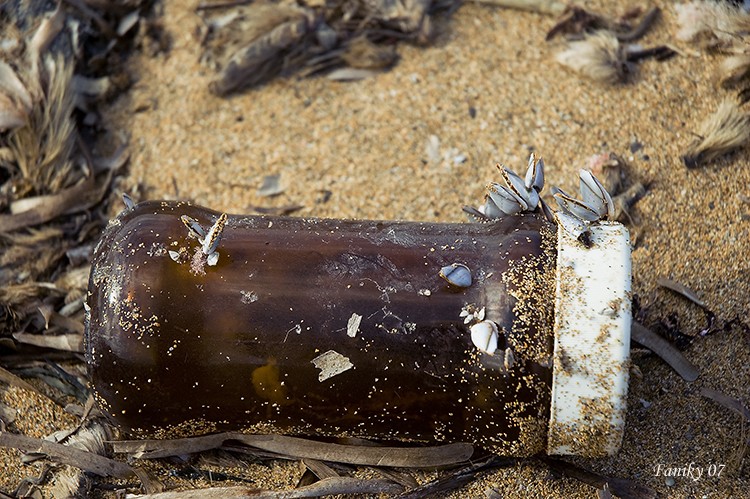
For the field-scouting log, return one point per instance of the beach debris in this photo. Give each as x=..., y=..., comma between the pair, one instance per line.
x=680, y=289
x=352, y=326
x=711, y=23
x=484, y=336
x=547, y=7
x=664, y=349
x=725, y=131
x=300, y=448
x=735, y=73
x=330, y=364
x=271, y=186
x=576, y=21
x=721, y=27
x=249, y=45
x=457, y=274
x=516, y=196
x=619, y=487
x=599, y=57
x=615, y=177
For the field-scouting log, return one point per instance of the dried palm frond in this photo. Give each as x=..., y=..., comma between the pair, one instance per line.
x=724, y=131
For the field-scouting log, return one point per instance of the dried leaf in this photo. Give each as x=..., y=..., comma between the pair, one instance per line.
x=321, y=469
x=88, y=461
x=661, y=347
x=8, y=414
x=351, y=74
x=329, y=486
x=622, y=488
x=404, y=457
x=71, y=200
x=11, y=379
x=254, y=62
x=680, y=289
x=11, y=85
x=67, y=342
x=11, y=116
x=271, y=186
x=728, y=402
x=128, y=21
x=49, y=28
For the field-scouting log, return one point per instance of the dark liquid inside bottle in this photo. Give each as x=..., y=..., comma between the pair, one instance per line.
x=323, y=327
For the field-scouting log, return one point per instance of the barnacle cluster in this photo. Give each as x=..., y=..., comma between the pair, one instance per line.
x=524, y=195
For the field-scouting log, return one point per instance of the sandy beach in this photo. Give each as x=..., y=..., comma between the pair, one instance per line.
x=419, y=141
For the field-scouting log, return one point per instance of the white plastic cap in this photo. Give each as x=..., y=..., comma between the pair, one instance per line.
x=592, y=342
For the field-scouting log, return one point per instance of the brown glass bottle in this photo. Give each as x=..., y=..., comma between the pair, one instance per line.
x=323, y=327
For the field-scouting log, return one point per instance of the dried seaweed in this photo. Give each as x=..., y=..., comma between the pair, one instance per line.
x=403, y=457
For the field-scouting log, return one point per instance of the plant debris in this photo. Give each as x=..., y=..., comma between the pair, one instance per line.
x=402, y=457
x=725, y=131
x=249, y=45
x=620, y=487
x=661, y=347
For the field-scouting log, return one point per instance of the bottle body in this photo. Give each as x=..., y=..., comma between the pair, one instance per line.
x=324, y=327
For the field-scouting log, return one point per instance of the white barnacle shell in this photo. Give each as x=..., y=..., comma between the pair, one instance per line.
x=535, y=173
x=484, y=336
x=596, y=196
x=174, y=255
x=508, y=202
x=518, y=187
x=573, y=206
x=457, y=274
x=212, y=258
x=211, y=241
x=193, y=227
x=572, y=225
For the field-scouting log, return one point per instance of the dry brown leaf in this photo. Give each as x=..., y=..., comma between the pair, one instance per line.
x=326, y=487
x=71, y=200
x=88, y=461
x=403, y=457
x=728, y=402
x=11, y=116
x=680, y=289
x=11, y=85
x=661, y=347
x=66, y=342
